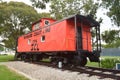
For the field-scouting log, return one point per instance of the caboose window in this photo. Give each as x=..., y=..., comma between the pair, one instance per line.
x=36, y=26
x=43, y=39
x=29, y=41
x=47, y=22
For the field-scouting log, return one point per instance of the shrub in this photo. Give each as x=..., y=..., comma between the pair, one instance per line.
x=109, y=62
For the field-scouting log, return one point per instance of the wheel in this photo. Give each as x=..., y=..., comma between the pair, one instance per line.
x=83, y=61
x=80, y=61
x=23, y=56
x=27, y=58
x=35, y=58
x=54, y=61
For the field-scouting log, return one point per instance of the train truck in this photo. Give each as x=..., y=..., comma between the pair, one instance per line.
x=69, y=40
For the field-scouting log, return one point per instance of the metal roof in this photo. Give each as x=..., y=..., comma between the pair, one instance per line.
x=86, y=19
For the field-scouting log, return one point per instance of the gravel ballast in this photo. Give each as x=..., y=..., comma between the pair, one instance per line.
x=40, y=72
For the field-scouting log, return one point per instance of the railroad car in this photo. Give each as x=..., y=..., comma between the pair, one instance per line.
x=68, y=40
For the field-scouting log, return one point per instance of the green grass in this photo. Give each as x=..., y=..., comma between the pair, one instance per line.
x=6, y=58
x=46, y=60
x=7, y=74
x=96, y=64
x=92, y=64
x=104, y=57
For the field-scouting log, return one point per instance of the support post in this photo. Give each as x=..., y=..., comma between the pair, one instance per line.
x=75, y=19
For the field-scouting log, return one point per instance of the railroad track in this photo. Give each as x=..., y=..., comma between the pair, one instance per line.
x=91, y=71
x=103, y=73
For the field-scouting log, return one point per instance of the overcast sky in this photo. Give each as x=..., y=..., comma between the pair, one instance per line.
x=106, y=25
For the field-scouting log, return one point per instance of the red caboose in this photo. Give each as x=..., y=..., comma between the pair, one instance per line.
x=68, y=40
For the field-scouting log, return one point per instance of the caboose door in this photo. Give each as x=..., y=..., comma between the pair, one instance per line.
x=86, y=39
x=79, y=38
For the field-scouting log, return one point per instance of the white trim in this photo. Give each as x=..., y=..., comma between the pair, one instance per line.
x=29, y=41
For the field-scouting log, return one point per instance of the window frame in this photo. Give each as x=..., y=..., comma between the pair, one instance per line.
x=43, y=38
x=36, y=26
x=29, y=41
x=48, y=22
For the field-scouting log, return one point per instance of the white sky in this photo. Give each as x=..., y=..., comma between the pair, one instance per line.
x=106, y=25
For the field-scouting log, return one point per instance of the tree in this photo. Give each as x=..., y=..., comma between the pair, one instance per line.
x=15, y=19
x=45, y=15
x=1, y=48
x=111, y=38
x=39, y=4
x=114, y=10
x=64, y=8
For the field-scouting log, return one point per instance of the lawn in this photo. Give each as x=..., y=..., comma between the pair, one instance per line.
x=6, y=58
x=92, y=64
x=104, y=57
x=96, y=64
x=7, y=74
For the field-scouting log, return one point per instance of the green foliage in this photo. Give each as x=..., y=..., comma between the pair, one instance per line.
x=116, y=44
x=39, y=4
x=111, y=38
x=45, y=15
x=109, y=62
x=15, y=19
x=6, y=74
x=6, y=58
x=106, y=62
x=114, y=10
x=63, y=8
x=1, y=48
